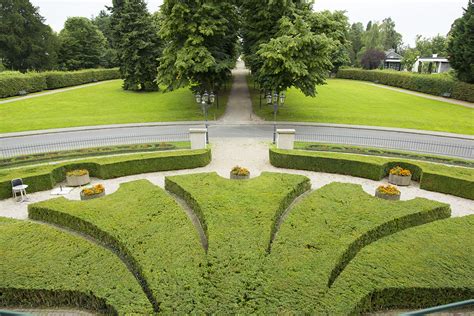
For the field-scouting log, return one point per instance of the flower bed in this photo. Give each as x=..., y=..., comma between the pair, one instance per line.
x=94, y=192
x=388, y=192
x=239, y=173
x=77, y=178
x=400, y=176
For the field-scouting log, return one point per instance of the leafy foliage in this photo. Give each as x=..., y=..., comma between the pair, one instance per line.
x=372, y=59
x=461, y=45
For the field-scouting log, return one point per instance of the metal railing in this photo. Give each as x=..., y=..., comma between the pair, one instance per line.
x=79, y=144
x=442, y=308
x=439, y=148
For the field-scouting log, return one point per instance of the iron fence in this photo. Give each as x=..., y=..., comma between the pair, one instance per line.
x=438, y=148
x=68, y=145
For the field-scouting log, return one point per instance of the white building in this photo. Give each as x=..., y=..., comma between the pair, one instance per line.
x=436, y=65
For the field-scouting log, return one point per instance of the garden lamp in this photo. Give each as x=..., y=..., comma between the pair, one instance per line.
x=269, y=98
x=198, y=98
x=282, y=98
x=212, y=98
x=205, y=97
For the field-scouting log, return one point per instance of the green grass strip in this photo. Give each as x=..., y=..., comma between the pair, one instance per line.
x=150, y=230
x=456, y=181
x=420, y=267
x=240, y=217
x=44, y=267
x=325, y=231
x=45, y=177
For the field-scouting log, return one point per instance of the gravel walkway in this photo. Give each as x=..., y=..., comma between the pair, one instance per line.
x=252, y=154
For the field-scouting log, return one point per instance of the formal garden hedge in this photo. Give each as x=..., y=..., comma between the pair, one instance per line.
x=11, y=84
x=240, y=217
x=150, y=231
x=325, y=231
x=431, y=84
x=45, y=177
x=45, y=267
x=456, y=181
x=420, y=267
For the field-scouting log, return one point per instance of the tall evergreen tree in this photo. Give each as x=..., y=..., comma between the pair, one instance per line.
x=461, y=45
x=391, y=39
x=82, y=44
x=26, y=43
x=355, y=38
x=104, y=22
x=138, y=47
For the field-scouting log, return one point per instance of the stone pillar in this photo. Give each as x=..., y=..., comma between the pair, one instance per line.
x=198, y=138
x=286, y=138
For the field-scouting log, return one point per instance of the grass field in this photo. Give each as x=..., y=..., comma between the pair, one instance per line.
x=358, y=103
x=103, y=104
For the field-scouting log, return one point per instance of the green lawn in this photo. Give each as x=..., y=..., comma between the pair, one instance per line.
x=103, y=104
x=357, y=103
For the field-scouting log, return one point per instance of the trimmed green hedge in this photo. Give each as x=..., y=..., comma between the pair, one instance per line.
x=240, y=216
x=46, y=177
x=432, y=177
x=45, y=267
x=325, y=231
x=12, y=84
x=431, y=84
x=150, y=231
x=420, y=267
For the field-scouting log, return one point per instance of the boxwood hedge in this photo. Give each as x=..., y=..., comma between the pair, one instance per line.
x=150, y=231
x=45, y=267
x=44, y=178
x=324, y=232
x=420, y=267
x=431, y=84
x=11, y=85
x=240, y=217
x=456, y=181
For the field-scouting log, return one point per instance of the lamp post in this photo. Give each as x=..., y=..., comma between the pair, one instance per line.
x=205, y=100
x=276, y=99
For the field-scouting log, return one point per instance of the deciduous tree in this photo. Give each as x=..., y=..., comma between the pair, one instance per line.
x=372, y=58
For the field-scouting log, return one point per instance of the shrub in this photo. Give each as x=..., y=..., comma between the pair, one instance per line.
x=432, y=177
x=430, y=84
x=13, y=83
x=239, y=171
x=42, y=266
x=46, y=177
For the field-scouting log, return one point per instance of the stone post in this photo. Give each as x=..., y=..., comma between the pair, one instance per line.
x=198, y=138
x=286, y=138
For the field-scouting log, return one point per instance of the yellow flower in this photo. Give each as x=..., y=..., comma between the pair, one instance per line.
x=389, y=190
x=399, y=171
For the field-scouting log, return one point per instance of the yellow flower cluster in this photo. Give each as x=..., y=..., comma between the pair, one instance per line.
x=77, y=173
x=389, y=190
x=96, y=189
x=399, y=171
x=239, y=171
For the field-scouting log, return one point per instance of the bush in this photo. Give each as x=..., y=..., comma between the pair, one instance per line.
x=430, y=84
x=437, y=178
x=46, y=177
x=149, y=230
x=44, y=267
x=12, y=83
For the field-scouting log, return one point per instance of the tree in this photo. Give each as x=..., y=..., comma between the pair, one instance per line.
x=355, y=38
x=201, y=43
x=82, y=44
x=461, y=45
x=104, y=22
x=26, y=43
x=136, y=40
x=410, y=56
x=296, y=57
x=391, y=39
x=429, y=46
x=372, y=58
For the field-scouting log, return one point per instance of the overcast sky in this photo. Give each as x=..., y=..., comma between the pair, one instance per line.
x=425, y=17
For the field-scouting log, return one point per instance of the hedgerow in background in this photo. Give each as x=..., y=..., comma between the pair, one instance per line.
x=135, y=38
x=461, y=45
x=152, y=233
x=43, y=267
x=82, y=45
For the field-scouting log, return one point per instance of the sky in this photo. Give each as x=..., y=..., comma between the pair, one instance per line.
x=412, y=17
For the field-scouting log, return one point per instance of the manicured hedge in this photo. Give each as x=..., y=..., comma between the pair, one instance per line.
x=432, y=177
x=431, y=84
x=12, y=84
x=45, y=267
x=46, y=177
x=150, y=231
x=325, y=231
x=240, y=217
x=420, y=267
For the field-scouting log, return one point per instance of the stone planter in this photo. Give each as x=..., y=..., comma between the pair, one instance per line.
x=235, y=177
x=402, y=181
x=389, y=197
x=77, y=181
x=91, y=197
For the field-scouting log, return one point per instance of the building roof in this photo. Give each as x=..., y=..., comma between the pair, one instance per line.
x=391, y=54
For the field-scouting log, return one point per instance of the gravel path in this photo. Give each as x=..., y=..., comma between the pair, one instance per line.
x=252, y=154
